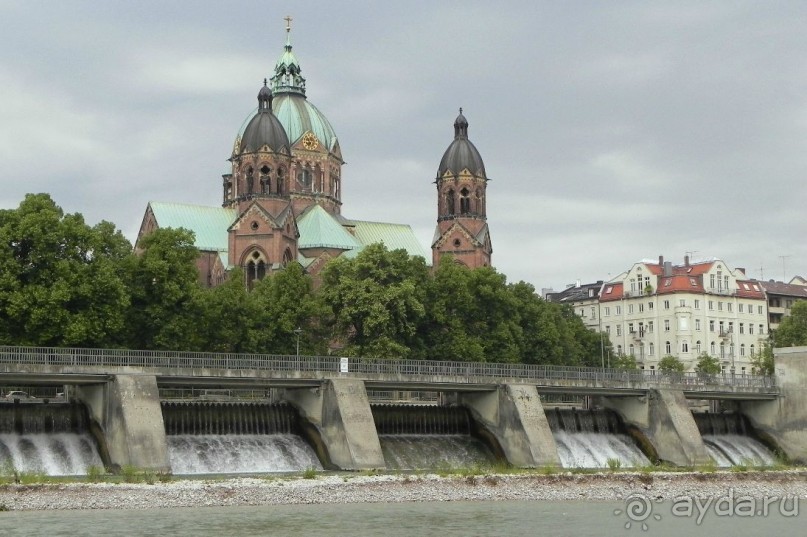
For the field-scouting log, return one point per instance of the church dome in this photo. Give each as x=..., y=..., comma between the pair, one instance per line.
x=461, y=154
x=264, y=128
x=290, y=105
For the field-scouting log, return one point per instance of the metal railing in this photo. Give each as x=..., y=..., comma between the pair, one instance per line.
x=170, y=362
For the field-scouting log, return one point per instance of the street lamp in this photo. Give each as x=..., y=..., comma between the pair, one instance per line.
x=297, y=333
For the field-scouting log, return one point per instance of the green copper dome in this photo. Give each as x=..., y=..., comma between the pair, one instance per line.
x=290, y=105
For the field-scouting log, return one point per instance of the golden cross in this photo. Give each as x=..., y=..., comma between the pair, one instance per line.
x=287, y=18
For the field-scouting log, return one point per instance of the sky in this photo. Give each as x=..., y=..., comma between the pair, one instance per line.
x=611, y=131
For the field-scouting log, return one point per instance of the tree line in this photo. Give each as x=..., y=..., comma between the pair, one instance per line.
x=64, y=283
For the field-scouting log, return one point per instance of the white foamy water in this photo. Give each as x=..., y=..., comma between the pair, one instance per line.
x=592, y=450
x=424, y=451
x=238, y=454
x=51, y=453
x=733, y=449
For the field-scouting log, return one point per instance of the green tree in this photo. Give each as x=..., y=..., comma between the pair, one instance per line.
x=164, y=286
x=225, y=316
x=792, y=331
x=624, y=361
x=708, y=364
x=282, y=304
x=61, y=281
x=376, y=301
x=670, y=364
x=763, y=360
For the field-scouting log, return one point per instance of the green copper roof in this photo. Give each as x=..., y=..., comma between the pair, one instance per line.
x=288, y=77
x=393, y=236
x=298, y=116
x=318, y=229
x=209, y=224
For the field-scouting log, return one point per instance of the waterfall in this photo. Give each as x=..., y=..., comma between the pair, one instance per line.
x=46, y=438
x=425, y=436
x=729, y=440
x=235, y=437
x=589, y=438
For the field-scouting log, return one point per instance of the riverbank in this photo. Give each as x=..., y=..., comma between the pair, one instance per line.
x=330, y=489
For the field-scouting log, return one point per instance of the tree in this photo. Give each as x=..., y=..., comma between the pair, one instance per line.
x=225, y=316
x=792, y=331
x=61, y=280
x=164, y=286
x=376, y=301
x=671, y=364
x=763, y=360
x=708, y=364
x=625, y=361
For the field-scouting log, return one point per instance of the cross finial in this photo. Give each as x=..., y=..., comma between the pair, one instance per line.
x=264, y=81
x=460, y=110
x=288, y=19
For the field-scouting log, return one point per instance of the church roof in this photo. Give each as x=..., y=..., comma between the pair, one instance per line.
x=393, y=236
x=299, y=116
x=209, y=224
x=318, y=229
x=461, y=154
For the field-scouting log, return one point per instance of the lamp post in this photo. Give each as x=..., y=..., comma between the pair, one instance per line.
x=297, y=333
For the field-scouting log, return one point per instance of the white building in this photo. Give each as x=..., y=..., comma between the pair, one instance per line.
x=659, y=309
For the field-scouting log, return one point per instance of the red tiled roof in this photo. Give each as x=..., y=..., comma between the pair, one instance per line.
x=749, y=289
x=611, y=291
x=679, y=283
x=693, y=269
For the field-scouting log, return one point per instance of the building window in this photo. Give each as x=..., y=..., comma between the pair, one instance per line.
x=630, y=328
x=740, y=307
x=465, y=201
x=697, y=324
x=742, y=349
x=712, y=348
x=666, y=325
x=752, y=349
x=726, y=283
x=641, y=308
x=593, y=313
x=608, y=329
x=761, y=329
x=697, y=304
x=650, y=349
x=711, y=306
x=630, y=308
x=711, y=326
x=450, y=202
x=618, y=310
x=630, y=349
x=667, y=347
x=684, y=347
x=751, y=329
x=722, y=350
x=742, y=328
x=719, y=306
x=607, y=311
x=759, y=310
x=619, y=330
x=682, y=303
x=729, y=306
x=650, y=306
x=712, y=281
x=666, y=304
x=619, y=350
x=698, y=346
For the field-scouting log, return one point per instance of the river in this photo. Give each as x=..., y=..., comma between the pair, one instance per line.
x=521, y=518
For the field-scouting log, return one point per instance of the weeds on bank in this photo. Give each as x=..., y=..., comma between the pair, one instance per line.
x=310, y=473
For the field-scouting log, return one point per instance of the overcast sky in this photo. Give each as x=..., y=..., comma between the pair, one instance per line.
x=611, y=131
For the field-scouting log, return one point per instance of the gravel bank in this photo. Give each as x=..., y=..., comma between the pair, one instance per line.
x=399, y=488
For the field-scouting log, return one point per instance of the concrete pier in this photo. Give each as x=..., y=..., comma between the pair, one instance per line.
x=515, y=416
x=127, y=409
x=340, y=411
x=784, y=420
x=663, y=416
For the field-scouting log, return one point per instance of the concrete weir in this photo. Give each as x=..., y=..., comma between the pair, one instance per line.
x=664, y=418
x=127, y=410
x=340, y=412
x=514, y=415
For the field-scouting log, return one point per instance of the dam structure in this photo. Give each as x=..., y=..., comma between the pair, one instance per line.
x=317, y=412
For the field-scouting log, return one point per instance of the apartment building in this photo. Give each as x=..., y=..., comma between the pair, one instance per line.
x=781, y=297
x=659, y=309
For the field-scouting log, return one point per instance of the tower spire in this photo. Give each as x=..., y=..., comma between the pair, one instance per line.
x=287, y=77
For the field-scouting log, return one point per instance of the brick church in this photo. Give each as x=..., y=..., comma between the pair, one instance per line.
x=282, y=201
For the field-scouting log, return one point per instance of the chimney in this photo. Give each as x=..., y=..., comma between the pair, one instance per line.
x=661, y=260
x=686, y=260
x=577, y=283
x=667, y=269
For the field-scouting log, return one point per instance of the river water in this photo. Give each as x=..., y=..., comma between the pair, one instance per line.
x=520, y=518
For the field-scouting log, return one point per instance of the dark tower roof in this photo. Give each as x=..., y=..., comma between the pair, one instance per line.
x=264, y=128
x=461, y=154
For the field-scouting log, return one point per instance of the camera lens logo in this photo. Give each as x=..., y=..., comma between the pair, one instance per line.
x=638, y=509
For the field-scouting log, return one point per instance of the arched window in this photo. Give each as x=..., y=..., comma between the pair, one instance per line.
x=286, y=257
x=712, y=348
x=698, y=346
x=742, y=349
x=667, y=347
x=266, y=173
x=450, y=202
x=630, y=350
x=650, y=349
x=336, y=192
x=465, y=202
x=722, y=350
x=304, y=179
x=250, y=180
x=619, y=350
x=281, y=177
x=478, y=208
x=752, y=349
x=254, y=269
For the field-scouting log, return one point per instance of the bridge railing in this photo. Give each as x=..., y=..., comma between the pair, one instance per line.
x=171, y=360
